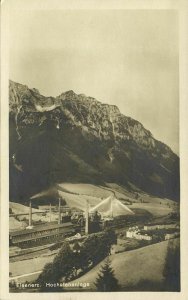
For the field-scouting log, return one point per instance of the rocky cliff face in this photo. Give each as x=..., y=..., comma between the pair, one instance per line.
x=77, y=138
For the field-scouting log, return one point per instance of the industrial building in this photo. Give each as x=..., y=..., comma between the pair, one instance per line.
x=35, y=235
x=40, y=235
x=160, y=226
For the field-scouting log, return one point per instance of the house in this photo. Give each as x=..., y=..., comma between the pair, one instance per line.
x=134, y=232
x=130, y=233
x=173, y=235
x=140, y=236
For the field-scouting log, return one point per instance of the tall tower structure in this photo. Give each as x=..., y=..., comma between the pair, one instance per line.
x=87, y=217
x=111, y=206
x=30, y=213
x=59, y=217
x=50, y=217
x=30, y=216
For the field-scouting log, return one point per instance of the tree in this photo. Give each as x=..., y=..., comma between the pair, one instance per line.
x=61, y=267
x=106, y=281
x=97, y=246
x=171, y=270
x=68, y=263
x=48, y=275
x=64, y=262
x=110, y=237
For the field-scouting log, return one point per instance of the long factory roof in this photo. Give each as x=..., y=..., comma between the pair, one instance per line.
x=25, y=238
x=162, y=224
x=41, y=228
x=157, y=231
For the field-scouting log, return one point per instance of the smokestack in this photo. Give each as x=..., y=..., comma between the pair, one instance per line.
x=111, y=207
x=50, y=211
x=30, y=214
x=87, y=217
x=59, y=219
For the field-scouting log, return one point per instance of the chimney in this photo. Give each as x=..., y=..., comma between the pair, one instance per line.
x=87, y=217
x=111, y=206
x=59, y=218
x=50, y=211
x=30, y=214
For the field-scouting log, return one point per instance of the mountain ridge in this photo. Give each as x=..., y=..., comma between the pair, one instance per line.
x=93, y=137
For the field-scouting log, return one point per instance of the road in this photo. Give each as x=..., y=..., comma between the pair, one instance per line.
x=24, y=275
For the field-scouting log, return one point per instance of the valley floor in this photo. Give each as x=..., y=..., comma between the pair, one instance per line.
x=130, y=267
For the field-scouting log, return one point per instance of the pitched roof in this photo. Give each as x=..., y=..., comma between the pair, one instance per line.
x=41, y=228
x=112, y=207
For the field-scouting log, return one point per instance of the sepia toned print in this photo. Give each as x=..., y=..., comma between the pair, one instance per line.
x=94, y=181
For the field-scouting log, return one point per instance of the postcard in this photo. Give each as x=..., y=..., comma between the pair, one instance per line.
x=93, y=143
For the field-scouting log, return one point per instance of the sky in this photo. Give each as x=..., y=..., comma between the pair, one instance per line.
x=129, y=58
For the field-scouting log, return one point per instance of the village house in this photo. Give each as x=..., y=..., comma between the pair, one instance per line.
x=134, y=232
x=169, y=236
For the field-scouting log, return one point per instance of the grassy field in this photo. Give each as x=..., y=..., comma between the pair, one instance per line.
x=134, y=266
x=78, y=193
x=155, y=209
x=86, y=189
x=74, y=200
x=100, y=192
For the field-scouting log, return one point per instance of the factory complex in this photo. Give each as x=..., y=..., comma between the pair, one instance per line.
x=89, y=220
x=82, y=219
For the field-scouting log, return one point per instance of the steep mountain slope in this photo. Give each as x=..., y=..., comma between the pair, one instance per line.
x=74, y=138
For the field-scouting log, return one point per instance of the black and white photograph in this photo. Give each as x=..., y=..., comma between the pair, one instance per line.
x=94, y=151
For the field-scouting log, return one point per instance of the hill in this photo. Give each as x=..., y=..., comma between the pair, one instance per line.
x=78, y=193
x=135, y=266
